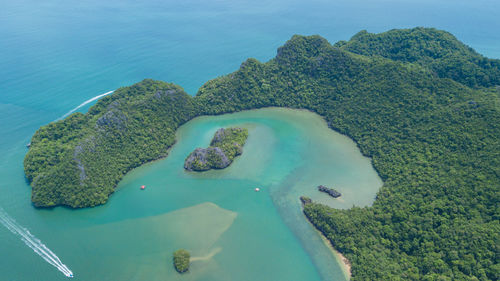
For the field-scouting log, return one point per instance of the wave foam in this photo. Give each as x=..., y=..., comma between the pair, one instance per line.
x=34, y=243
x=84, y=103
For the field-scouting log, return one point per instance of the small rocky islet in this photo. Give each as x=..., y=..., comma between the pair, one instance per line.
x=330, y=191
x=305, y=200
x=224, y=147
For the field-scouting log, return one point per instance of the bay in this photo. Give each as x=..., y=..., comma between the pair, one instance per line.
x=234, y=232
x=54, y=55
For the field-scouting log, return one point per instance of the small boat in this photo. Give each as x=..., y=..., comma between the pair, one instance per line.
x=143, y=187
x=257, y=189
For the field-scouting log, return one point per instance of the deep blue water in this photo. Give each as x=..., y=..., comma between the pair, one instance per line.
x=56, y=54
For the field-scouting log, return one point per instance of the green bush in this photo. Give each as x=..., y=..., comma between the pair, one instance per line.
x=181, y=260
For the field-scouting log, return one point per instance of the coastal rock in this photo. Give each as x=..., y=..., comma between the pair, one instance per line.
x=330, y=191
x=78, y=150
x=165, y=93
x=86, y=146
x=218, y=137
x=305, y=200
x=112, y=119
x=224, y=147
x=202, y=159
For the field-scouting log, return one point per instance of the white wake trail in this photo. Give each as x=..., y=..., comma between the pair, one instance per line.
x=34, y=243
x=29, y=239
x=85, y=103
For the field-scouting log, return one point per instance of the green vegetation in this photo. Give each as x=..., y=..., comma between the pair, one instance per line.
x=224, y=147
x=436, y=50
x=181, y=260
x=78, y=161
x=435, y=142
x=305, y=200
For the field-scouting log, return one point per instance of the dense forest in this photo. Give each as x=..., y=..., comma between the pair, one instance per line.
x=181, y=260
x=436, y=50
x=422, y=105
x=78, y=161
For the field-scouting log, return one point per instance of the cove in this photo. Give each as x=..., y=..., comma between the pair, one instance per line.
x=232, y=232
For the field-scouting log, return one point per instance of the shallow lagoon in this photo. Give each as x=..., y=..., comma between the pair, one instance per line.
x=57, y=54
x=234, y=232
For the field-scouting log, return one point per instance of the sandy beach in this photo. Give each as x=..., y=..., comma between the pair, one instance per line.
x=345, y=263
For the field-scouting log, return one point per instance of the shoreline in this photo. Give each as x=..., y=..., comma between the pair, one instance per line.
x=345, y=264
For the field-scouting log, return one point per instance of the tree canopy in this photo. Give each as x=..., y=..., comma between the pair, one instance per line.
x=181, y=260
x=420, y=103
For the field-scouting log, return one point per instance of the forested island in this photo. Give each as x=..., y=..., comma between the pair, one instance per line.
x=421, y=104
x=181, y=260
x=224, y=147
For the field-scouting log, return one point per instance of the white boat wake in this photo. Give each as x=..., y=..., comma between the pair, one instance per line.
x=29, y=239
x=34, y=243
x=84, y=103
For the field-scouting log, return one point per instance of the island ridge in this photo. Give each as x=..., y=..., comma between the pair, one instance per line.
x=420, y=103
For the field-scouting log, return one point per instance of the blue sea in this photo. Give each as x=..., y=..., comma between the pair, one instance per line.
x=55, y=55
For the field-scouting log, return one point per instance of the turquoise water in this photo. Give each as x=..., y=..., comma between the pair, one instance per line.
x=233, y=232
x=54, y=55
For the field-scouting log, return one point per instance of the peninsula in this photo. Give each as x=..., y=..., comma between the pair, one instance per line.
x=420, y=103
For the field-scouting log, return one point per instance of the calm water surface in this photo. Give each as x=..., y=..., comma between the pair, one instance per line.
x=233, y=232
x=54, y=55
